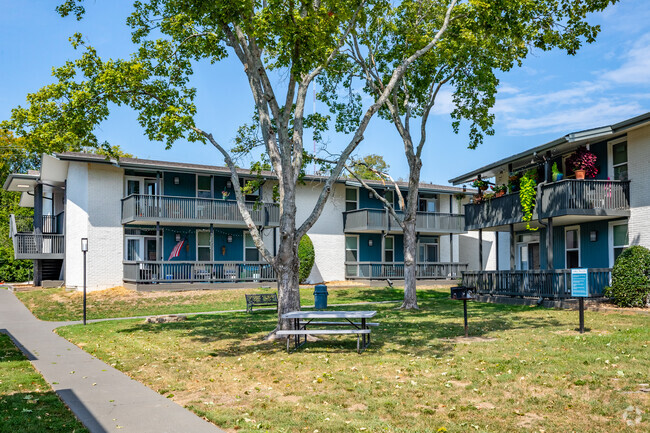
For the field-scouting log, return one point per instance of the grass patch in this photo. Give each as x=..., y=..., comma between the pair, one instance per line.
x=60, y=305
x=526, y=370
x=27, y=403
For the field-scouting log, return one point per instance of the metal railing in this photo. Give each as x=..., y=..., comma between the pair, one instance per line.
x=189, y=272
x=565, y=197
x=539, y=283
x=382, y=220
x=395, y=270
x=194, y=209
x=572, y=196
x=30, y=245
x=495, y=212
x=50, y=223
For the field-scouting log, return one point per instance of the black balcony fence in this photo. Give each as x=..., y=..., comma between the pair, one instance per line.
x=162, y=272
x=395, y=270
x=538, y=283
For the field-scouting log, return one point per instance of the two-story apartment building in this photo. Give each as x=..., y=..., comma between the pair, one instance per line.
x=576, y=223
x=159, y=222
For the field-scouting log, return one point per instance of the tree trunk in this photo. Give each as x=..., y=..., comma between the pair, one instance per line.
x=287, y=265
x=410, y=239
x=410, y=295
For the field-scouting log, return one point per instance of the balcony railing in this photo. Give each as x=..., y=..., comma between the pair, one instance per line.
x=50, y=224
x=152, y=208
x=29, y=245
x=566, y=197
x=544, y=283
x=162, y=272
x=373, y=220
x=588, y=197
x=395, y=270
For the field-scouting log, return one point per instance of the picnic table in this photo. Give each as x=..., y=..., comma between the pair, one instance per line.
x=357, y=320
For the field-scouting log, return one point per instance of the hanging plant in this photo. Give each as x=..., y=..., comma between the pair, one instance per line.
x=528, y=195
x=459, y=196
x=480, y=184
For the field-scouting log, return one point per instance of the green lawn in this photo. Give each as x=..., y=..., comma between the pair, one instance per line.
x=27, y=403
x=526, y=369
x=59, y=305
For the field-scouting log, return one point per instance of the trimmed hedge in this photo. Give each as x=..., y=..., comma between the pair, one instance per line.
x=631, y=278
x=306, y=255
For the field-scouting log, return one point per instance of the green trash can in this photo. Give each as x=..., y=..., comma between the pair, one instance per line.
x=320, y=296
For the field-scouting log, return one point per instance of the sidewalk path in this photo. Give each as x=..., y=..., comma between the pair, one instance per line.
x=104, y=399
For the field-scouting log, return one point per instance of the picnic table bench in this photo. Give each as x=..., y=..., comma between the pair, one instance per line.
x=263, y=299
x=302, y=319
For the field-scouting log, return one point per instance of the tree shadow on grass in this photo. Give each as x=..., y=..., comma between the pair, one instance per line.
x=421, y=331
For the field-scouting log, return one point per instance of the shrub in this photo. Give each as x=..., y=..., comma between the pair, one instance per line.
x=306, y=255
x=631, y=278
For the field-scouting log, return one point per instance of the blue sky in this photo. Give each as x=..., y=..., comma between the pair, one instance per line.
x=551, y=95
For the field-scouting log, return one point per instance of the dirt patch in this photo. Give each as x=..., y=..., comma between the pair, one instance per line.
x=574, y=332
x=460, y=383
x=484, y=405
x=468, y=340
x=289, y=399
x=358, y=407
x=529, y=420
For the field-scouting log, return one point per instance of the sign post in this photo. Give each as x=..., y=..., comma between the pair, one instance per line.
x=84, y=249
x=580, y=290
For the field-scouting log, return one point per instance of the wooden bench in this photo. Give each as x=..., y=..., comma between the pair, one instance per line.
x=305, y=332
x=264, y=299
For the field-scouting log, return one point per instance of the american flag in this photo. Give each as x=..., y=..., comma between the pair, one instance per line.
x=177, y=249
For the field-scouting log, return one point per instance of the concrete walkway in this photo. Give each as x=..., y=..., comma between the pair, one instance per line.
x=104, y=399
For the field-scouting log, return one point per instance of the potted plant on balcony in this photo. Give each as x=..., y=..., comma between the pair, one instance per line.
x=583, y=163
x=513, y=183
x=480, y=184
x=499, y=190
x=528, y=195
x=225, y=194
x=556, y=173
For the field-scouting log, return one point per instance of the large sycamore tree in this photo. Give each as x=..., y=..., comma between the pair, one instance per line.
x=483, y=38
x=282, y=46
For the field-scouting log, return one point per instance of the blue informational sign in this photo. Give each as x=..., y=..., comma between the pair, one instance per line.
x=579, y=283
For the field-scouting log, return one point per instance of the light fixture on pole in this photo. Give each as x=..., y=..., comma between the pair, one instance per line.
x=84, y=249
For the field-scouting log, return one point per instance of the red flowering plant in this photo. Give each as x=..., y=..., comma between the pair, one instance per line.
x=585, y=160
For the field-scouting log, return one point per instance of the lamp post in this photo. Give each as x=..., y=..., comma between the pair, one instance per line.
x=84, y=249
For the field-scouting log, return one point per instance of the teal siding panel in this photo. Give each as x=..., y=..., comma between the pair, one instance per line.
x=185, y=188
x=370, y=253
x=188, y=252
x=594, y=254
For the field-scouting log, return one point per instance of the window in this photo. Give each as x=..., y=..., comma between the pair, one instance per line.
x=351, y=255
x=203, y=246
x=428, y=203
x=132, y=186
x=572, y=247
x=133, y=249
x=428, y=250
x=351, y=199
x=251, y=253
x=204, y=186
x=390, y=197
x=619, y=160
x=620, y=239
x=389, y=249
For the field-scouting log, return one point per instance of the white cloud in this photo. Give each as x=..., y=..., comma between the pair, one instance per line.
x=636, y=66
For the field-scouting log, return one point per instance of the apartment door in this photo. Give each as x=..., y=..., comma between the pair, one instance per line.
x=150, y=187
x=150, y=249
x=528, y=252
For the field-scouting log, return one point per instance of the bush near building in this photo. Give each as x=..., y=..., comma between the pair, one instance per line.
x=631, y=278
x=306, y=255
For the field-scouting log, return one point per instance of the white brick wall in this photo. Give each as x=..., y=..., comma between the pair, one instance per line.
x=94, y=193
x=638, y=156
x=327, y=233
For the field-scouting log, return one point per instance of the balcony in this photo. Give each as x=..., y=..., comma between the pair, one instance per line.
x=395, y=270
x=539, y=283
x=379, y=220
x=30, y=245
x=569, y=200
x=148, y=209
x=161, y=272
